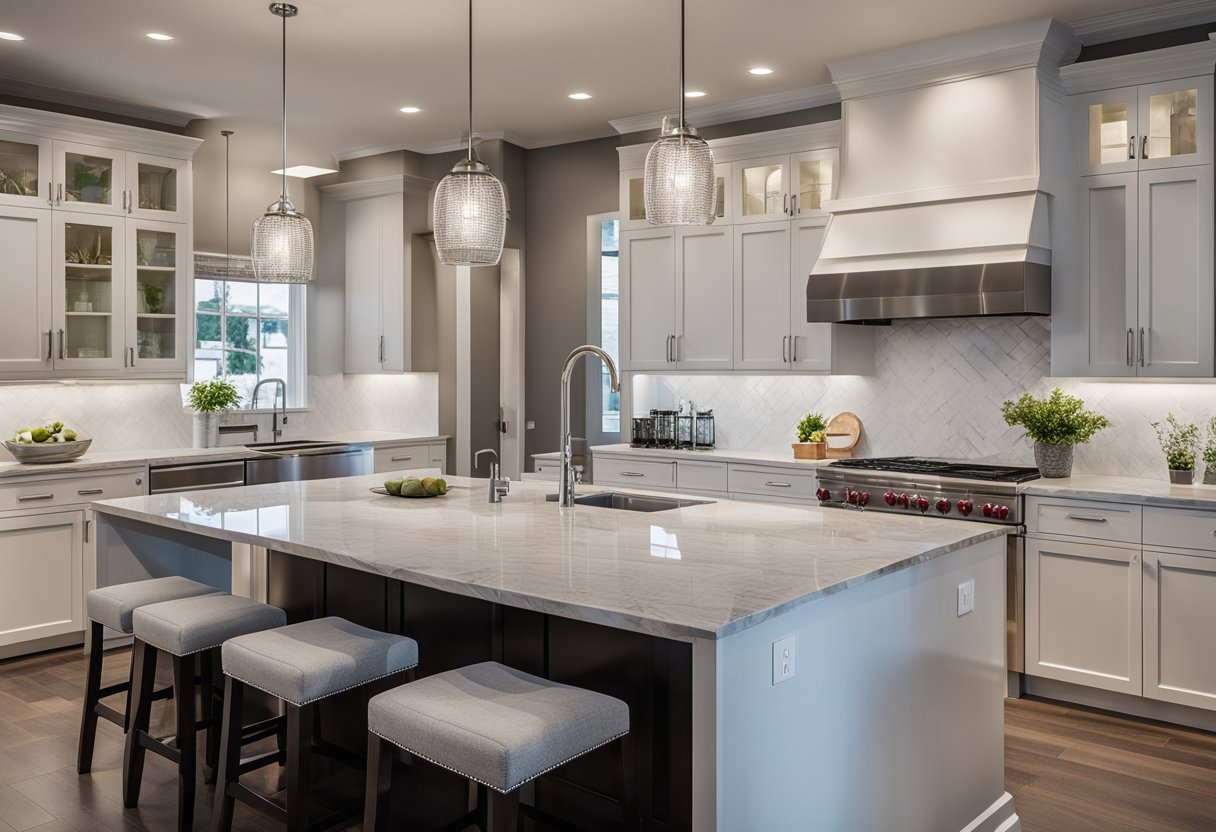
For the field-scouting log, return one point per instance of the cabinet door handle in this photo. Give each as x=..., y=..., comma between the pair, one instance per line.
x=777, y=484
x=1087, y=518
x=59, y=194
x=793, y=349
x=1144, y=148
x=29, y=498
x=131, y=202
x=401, y=459
x=61, y=348
x=50, y=194
x=1131, y=147
x=132, y=351
x=1143, y=347
x=381, y=349
x=1130, y=337
x=86, y=530
x=124, y=200
x=50, y=344
x=631, y=474
x=785, y=349
x=795, y=204
x=84, y=492
x=786, y=209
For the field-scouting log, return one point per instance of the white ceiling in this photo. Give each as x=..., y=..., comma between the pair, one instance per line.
x=353, y=63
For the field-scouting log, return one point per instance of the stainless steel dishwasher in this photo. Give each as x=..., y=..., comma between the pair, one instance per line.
x=294, y=461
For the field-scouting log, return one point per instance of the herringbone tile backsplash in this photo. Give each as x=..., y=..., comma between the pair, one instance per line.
x=937, y=392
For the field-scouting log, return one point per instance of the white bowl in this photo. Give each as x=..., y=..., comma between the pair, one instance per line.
x=48, y=452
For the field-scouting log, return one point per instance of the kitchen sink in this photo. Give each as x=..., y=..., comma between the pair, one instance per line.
x=296, y=448
x=635, y=502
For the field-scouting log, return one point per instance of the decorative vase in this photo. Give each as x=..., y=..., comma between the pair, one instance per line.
x=1209, y=474
x=206, y=430
x=810, y=450
x=1182, y=477
x=1053, y=461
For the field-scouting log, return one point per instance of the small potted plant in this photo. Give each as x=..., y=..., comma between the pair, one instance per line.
x=812, y=437
x=208, y=400
x=1209, y=455
x=1056, y=424
x=1180, y=442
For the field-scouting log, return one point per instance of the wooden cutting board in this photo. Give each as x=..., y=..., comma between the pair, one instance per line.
x=844, y=432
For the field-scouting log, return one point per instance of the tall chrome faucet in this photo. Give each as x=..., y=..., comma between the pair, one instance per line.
x=565, y=490
x=276, y=427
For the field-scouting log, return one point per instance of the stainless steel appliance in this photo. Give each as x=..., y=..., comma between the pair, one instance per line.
x=167, y=479
x=294, y=461
x=949, y=490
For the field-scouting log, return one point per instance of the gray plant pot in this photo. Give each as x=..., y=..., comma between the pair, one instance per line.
x=206, y=430
x=1209, y=474
x=1053, y=461
x=1186, y=477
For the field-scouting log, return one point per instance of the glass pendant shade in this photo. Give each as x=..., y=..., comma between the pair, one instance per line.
x=680, y=185
x=470, y=216
x=282, y=245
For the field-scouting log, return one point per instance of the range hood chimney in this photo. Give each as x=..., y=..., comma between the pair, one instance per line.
x=948, y=193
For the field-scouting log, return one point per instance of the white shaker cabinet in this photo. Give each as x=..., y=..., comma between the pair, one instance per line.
x=1109, y=274
x=648, y=299
x=26, y=316
x=762, y=296
x=41, y=560
x=1147, y=127
x=1179, y=620
x=25, y=170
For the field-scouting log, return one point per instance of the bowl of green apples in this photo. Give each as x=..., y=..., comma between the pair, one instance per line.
x=48, y=443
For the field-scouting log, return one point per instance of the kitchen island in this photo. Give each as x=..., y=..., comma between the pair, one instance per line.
x=890, y=712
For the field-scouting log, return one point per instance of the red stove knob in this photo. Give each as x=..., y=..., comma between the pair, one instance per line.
x=904, y=500
x=1002, y=512
x=922, y=504
x=965, y=507
x=823, y=494
x=889, y=497
x=863, y=499
x=988, y=509
x=852, y=496
x=943, y=505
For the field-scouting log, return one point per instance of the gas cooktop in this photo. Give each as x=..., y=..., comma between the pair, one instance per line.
x=941, y=468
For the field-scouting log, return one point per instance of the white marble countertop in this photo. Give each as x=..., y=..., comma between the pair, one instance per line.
x=781, y=458
x=1123, y=490
x=703, y=571
x=102, y=460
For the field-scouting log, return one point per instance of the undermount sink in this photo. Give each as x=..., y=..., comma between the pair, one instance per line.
x=635, y=502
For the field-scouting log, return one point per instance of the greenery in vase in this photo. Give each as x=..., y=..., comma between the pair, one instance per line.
x=1059, y=419
x=154, y=297
x=812, y=428
x=213, y=396
x=1180, y=443
x=1209, y=449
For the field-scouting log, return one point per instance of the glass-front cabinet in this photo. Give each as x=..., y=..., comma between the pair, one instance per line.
x=156, y=188
x=88, y=287
x=25, y=170
x=89, y=179
x=1152, y=126
x=155, y=305
x=813, y=181
x=763, y=193
x=633, y=202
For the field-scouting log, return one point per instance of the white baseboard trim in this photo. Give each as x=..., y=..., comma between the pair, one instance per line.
x=999, y=817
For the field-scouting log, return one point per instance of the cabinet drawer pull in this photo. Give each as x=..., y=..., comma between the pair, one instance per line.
x=29, y=498
x=86, y=491
x=401, y=459
x=631, y=474
x=1131, y=336
x=1087, y=518
x=777, y=484
x=61, y=347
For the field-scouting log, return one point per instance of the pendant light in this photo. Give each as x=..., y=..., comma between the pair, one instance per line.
x=282, y=245
x=680, y=187
x=470, y=215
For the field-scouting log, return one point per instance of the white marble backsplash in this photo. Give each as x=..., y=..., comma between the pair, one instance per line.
x=937, y=392
x=149, y=415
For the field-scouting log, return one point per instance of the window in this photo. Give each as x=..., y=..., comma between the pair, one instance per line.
x=247, y=332
x=603, y=325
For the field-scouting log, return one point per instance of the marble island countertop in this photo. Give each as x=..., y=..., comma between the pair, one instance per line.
x=704, y=571
x=94, y=460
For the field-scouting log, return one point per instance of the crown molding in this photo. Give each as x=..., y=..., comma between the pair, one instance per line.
x=444, y=146
x=1042, y=43
x=381, y=186
x=1168, y=64
x=71, y=98
x=1144, y=20
x=739, y=109
x=92, y=131
x=823, y=135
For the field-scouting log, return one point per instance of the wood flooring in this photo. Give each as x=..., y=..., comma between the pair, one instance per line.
x=1069, y=769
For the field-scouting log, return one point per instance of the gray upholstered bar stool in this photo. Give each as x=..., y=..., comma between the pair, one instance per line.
x=113, y=606
x=301, y=665
x=186, y=629
x=494, y=725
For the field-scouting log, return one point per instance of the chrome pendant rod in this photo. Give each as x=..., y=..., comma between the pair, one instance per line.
x=470, y=80
x=227, y=134
x=681, y=64
x=284, y=14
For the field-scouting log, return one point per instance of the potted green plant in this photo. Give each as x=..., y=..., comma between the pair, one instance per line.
x=1056, y=425
x=154, y=297
x=1180, y=442
x=812, y=437
x=1209, y=454
x=208, y=400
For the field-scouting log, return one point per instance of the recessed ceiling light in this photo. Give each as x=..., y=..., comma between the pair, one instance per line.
x=159, y=36
x=10, y=36
x=304, y=171
x=694, y=94
x=411, y=110
x=579, y=96
x=760, y=70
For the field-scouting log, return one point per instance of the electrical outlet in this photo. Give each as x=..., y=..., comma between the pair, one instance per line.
x=783, y=660
x=966, y=597
x=529, y=425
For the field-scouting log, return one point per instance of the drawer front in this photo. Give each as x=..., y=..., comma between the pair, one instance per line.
x=401, y=457
x=771, y=482
x=439, y=456
x=1180, y=528
x=1082, y=518
x=701, y=476
x=636, y=473
x=71, y=490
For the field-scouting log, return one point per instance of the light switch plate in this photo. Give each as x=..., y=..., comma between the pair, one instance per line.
x=966, y=597
x=783, y=660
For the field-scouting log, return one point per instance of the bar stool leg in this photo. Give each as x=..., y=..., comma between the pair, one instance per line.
x=210, y=713
x=299, y=765
x=230, y=756
x=503, y=812
x=379, y=784
x=187, y=765
x=625, y=783
x=92, y=687
x=144, y=664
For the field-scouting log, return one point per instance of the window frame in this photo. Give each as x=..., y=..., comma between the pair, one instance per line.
x=595, y=405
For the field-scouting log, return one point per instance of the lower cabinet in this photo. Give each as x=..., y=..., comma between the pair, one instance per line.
x=387, y=458
x=42, y=563
x=1179, y=622
x=1083, y=616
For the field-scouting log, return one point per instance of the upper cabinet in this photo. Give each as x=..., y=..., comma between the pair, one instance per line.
x=633, y=199
x=90, y=179
x=785, y=187
x=1147, y=127
x=157, y=188
x=25, y=170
